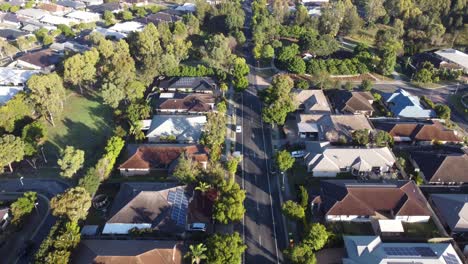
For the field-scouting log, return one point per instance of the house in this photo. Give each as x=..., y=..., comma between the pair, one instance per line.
x=160, y=17
x=422, y=132
x=4, y=215
x=93, y=2
x=364, y=201
x=403, y=104
x=333, y=128
x=452, y=210
x=77, y=5
x=176, y=128
x=12, y=81
x=134, y=2
x=312, y=101
x=32, y=13
x=371, y=249
x=129, y=251
x=188, y=84
x=159, y=206
x=10, y=19
x=347, y=102
x=84, y=17
x=113, y=7
x=454, y=56
x=161, y=157
x=55, y=9
x=42, y=60
x=58, y=20
x=11, y=34
x=107, y=33
x=324, y=160
x=191, y=103
x=127, y=27
x=187, y=8
x=441, y=167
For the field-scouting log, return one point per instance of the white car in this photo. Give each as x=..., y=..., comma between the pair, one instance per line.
x=298, y=154
x=197, y=227
x=238, y=129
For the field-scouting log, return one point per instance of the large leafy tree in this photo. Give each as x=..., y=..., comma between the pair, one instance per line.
x=293, y=210
x=361, y=137
x=14, y=110
x=72, y=204
x=383, y=139
x=214, y=133
x=284, y=160
x=229, y=207
x=186, y=170
x=224, y=249
x=278, y=100
x=300, y=254
x=48, y=94
x=22, y=207
x=316, y=236
x=33, y=136
x=11, y=150
x=71, y=161
x=81, y=68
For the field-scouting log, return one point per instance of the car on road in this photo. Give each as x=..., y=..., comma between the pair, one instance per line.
x=298, y=154
x=238, y=129
x=197, y=227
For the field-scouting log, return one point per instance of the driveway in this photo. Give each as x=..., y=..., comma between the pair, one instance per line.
x=330, y=256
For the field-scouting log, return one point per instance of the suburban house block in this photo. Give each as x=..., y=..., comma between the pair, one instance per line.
x=8, y=34
x=191, y=103
x=160, y=206
x=454, y=56
x=42, y=60
x=13, y=81
x=129, y=251
x=312, y=101
x=113, y=7
x=351, y=102
x=176, y=128
x=371, y=249
x=422, y=133
x=357, y=201
x=160, y=17
x=324, y=160
x=441, y=167
x=188, y=84
x=71, y=4
x=161, y=157
x=452, y=210
x=333, y=128
x=84, y=17
x=403, y=104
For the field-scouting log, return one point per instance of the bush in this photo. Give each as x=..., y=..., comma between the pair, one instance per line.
x=302, y=84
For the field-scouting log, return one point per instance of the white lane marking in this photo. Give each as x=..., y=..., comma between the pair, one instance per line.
x=258, y=208
x=260, y=240
x=243, y=168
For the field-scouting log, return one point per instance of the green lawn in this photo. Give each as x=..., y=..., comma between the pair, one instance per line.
x=86, y=124
x=421, y=230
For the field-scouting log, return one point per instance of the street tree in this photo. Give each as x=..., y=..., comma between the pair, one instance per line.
x=223, y=249
x=293, y=210
x=316, y=236
x=48, y=94
x=11, y=150
x=278, y=100
x=71, y=161
x=197, y=253
x=214, y=133
x=229, y=207
x=231, y=165
x=442, y=111
x=22, y=207
x=366, y=85
x=304, y=197
x=284, y=160
x=72, y=204
x=300, y=254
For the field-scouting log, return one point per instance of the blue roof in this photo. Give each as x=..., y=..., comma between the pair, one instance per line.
x=404, y=104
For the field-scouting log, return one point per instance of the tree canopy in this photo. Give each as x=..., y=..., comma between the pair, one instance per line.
x=71, y=161
x=284, y=160
x=73, y=204
x=229, y=207
x=224, y=249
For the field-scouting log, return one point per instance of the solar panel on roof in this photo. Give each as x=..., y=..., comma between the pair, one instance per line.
x=409, y=251
x=451, y=259
x=179, y=206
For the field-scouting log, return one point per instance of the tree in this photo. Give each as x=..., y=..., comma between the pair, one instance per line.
x=197, y=253
x=66, y=30
x=11, y=150
x=316, y=236
x=352, y=22
x=442, y=111
x=218, y=51
x=361, y=137
x=229, y=207
x=72, y=204
x=81, y=68
x=321, y=79
x=232, y=165
x=14, y=111
x=374, y=9
x=33, y=135
x=284, y=160
x=366, y=85
x=293, y=210
x=214, y=133
x=90, y=182
x=296, y=65
x=304, y=195
x=278, y=100
x=185, y=170
x=300, y=254
x=348, y=86
x=383, y=139
x=71, y=161
x=48, y=94
x=203, y=187
x=423, y=76
x=126, y=15
x=223, y=249
x=302, y=84
x=22, y=207
x=268, y=52
x=109, y=18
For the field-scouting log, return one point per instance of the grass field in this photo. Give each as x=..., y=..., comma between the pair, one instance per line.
x=85, y=124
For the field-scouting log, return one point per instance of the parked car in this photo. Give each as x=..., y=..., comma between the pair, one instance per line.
x=238, y=129
x=298, y=154
x=197, y=227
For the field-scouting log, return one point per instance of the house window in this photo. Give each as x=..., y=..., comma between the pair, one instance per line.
x=343, y=169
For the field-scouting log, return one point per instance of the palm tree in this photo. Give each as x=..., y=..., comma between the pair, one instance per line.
x=203, y=187
x=197, y=253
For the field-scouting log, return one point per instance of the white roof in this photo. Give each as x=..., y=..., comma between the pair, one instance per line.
x=84, y=16
x=314, y=101
x=187, y=7
x=184, y=127
x=333, y=158
x=127, y=27
x=57, y=20
x=110, y=33
x=7, y=92
x=32, y=13
x=307, y=127
x=166, y=95
x=145, y=124
x=391, y=226
x=10, y=76
x=454, y=56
